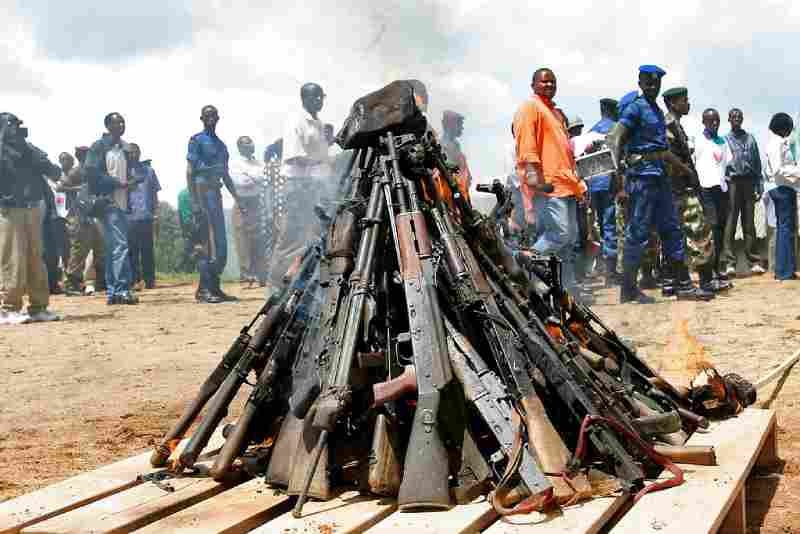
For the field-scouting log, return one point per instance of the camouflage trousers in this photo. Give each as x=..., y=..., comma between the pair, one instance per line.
x=650, y=256
x=697, y=233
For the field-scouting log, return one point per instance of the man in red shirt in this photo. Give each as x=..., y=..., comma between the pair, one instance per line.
x=545, y=161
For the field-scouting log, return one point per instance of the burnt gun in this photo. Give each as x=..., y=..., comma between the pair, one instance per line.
x=263, y=399
x=260, y=346
x=213, y=382
x=336, y=395
x=567, y=376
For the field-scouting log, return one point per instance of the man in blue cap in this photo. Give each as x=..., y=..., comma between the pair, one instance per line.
x=641, y=134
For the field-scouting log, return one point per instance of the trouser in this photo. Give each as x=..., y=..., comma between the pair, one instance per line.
x=582, y=257
x=187, y=262
x=556, y=222
x=785, y=201
x=118, y=263
x=248, y=232
x=142, y=254
x=22, y=269
x=85, y=237
x=650, y=205
x=741, y=203
x=297, y=226
x=715, y=208
x=697, y=233
x=211, y=261
x=56, y=244
x=605, y=210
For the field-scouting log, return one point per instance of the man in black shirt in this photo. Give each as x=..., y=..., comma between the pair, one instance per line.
x=22, y=270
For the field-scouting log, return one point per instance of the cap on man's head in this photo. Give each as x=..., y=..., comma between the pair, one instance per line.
x=82, y=148
x=574, y=122
x=652, y=69
x=675, y=92
x=609, y=102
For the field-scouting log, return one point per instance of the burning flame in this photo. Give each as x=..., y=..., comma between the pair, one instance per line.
x=684, y=357
x=173, y=445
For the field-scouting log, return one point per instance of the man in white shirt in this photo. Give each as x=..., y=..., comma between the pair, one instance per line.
x=247, y=174
x=307, y=170
x=782, y=184
x=712, y=156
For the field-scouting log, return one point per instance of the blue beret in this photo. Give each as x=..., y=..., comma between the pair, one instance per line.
x=652, y=69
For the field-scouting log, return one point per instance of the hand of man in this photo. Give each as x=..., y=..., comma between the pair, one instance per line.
x=530, y=216
x=533, y=175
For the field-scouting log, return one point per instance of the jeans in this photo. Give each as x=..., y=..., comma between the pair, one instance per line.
x=741, y=195
x=118, y=263
x=557, y=223
x=650, y=204
x=605, y=210
x=143, y=264
x=715, y=208
x=212, y=262
x=785, y=201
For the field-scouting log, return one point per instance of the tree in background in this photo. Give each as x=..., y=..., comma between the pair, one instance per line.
x=169, y=241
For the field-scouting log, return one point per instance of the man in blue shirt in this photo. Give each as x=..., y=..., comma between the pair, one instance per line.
x=602, y=197
x=642, y=133
x=142, y=218
x=207, y=167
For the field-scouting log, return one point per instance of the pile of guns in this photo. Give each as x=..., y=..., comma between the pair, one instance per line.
x=412, y=354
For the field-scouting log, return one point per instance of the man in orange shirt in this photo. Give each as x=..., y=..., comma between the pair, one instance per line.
x=547, y=167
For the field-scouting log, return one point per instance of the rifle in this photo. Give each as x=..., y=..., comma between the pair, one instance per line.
x=474, y=297
x=207, y=390
x=335, y=270
x=259, y=347
x=567, y=375
x=336, y=395
x=484, y=389
x=265, y=393
x=425, y=478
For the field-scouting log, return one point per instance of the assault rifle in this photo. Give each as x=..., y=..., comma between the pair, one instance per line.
x=264, y=397
x=255, y=356
x=336, y=396
x=267, y=314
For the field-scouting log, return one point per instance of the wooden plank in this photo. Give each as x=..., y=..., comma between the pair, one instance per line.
x=736, y=520
x=586, y=518
x=350, y=513
x=80, y=490
x=703, y=501
x=238, y=509
x=466, y=518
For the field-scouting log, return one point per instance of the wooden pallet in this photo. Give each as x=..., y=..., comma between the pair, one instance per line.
x=111, y=499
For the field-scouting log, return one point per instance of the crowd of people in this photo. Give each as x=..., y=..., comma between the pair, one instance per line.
x=670, y=206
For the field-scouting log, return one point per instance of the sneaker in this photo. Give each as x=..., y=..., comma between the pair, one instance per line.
x=730, y=271
x=44, y=316
x=88, y=290
x=757, y=269
x=13, y=317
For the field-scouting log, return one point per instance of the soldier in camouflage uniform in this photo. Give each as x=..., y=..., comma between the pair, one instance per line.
x=698, y=237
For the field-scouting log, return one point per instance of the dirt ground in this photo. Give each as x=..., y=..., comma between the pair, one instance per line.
x=107, y=382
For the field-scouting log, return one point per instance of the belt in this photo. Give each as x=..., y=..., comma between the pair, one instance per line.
x=637, y=158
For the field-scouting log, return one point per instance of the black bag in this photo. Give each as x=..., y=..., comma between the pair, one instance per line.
x=391, y=109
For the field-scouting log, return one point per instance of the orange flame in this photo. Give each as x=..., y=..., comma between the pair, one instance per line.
x=684, y=357
x=173, y=445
